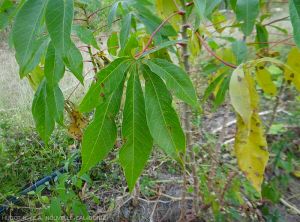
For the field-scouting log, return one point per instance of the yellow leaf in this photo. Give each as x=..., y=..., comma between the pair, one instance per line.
x=264, y=80
x=293, y=61
x=77, y=121
x=296, y=173
x=240, y=94
x=251, y=150
x=250, y=143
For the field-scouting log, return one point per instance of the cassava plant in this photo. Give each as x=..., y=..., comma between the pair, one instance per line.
x=145, y=62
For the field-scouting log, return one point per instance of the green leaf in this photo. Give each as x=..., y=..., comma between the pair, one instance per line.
x=130, y=46
x=246, y=12
x=240, y=51
x=113, y=43
x=108, y=80
x=294, y=8
x=221, y=94
x=206, y=7
x=55, y=102
x=262, y=35
x=59, y=18
x=177, y=80
x=135, y=133
x=54, y=66
x=100, y=136
x=125, y=29
x=39, y=49
x=112, y=13
x=86, y=35
x=212, y=86
x=27, y=26
x=162, y=119
x=41, y=114
x=151, y=22
x=74, y=62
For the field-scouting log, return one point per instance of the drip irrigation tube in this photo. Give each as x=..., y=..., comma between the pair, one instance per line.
x=33, y=187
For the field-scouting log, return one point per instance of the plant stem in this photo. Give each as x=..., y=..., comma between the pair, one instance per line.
x=213, y=53
x=155, y=32
x=89, y=47
x=187, y=117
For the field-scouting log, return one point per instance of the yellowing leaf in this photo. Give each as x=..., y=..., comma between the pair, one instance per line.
x=250, y=143
x=251, y=150
x=77, y=122
x=294, y=63
x=296, y=173
x=264, y=80
x=240, y=95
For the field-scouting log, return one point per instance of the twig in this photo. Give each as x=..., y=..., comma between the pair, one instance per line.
x=276, y=20
x=213, y=53
x=287, y=204
x=98, y=10
x=156, y=31
x=155, y=205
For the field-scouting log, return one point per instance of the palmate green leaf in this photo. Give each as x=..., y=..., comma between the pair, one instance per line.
x=246, y=12
x=26, y=28
x=294, y=8
x=100, y=136
x=54, y=66
x=108, y=80
x=125, y=29
x=135, y=133
x=162, y=119
x=47, y=106
x=177, y=81
x=86, y=36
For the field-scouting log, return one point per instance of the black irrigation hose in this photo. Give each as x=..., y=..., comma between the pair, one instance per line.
x=33, y=187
